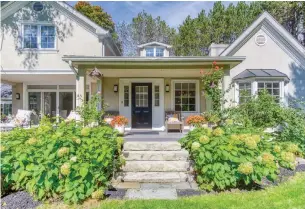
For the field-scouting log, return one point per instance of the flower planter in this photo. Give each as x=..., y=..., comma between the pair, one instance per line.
x=120, y=129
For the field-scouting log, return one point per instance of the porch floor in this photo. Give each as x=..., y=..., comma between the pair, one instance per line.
x=151, y=136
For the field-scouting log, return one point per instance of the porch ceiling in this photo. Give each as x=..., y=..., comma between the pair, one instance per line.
x=151, y=63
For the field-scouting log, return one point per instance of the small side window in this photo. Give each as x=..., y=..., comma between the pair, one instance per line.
x=126, y=96
x=157, y=96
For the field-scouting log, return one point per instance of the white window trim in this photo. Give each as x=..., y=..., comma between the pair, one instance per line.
x=197, y=105
x=254, y=88
x=38, y=24
x=155, y=50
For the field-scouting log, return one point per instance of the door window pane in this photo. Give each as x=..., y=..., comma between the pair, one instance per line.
x=35, y=101
x=49, y=103
x=141, y=96
x=185, y=96
x=65, y=103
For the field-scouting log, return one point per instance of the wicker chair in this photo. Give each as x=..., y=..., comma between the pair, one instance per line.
x=174, y=125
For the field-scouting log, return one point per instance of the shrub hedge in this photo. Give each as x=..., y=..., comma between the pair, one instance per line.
x=67, y=161
x=231, y=156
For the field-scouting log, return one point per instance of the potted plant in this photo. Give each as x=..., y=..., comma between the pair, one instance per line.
x=119, y=122
x=195, y=121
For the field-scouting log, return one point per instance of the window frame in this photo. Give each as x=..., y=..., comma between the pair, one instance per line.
x=197, y=97
x=153, y=51
x=159, y=49
x=254, y=88
x=244, y=83
x=39, y=26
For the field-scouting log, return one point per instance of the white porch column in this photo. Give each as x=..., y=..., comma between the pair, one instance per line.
x=226, y=82
x=99, y=90
x=80, y=87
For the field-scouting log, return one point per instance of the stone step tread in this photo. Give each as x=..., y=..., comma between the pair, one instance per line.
x=152, y=146
x=159, y=166
x=174, y=155
x=154, y=177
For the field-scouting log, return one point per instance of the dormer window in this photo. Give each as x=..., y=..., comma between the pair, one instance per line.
x=154, y=49
x=159, y=52
x=149, y=52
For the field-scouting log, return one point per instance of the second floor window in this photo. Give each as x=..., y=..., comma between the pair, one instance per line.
x=149, y=52
x=38, y=37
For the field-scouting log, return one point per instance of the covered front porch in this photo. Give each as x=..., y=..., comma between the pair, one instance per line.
x=145, y=90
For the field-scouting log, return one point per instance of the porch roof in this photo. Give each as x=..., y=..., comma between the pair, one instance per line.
x=183, y=61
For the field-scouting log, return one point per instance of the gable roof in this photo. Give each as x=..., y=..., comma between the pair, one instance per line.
x=11, y=7
x=274, y=29
x=260, y=73
x=154, y=43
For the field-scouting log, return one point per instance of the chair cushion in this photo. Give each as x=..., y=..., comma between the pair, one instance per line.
x=73, y=116
x=23, y=117
x=172, y=120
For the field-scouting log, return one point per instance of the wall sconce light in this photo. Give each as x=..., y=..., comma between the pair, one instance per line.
x=17, y=96
x=202, y=92
x=167, y=88
x=115, y=88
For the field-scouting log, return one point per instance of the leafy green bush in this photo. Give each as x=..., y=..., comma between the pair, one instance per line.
x=67, y=161
x=262, y=112
x=232, y=156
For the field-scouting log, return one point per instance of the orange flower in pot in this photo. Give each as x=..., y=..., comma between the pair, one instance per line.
x=195, y=121
x=119, y=123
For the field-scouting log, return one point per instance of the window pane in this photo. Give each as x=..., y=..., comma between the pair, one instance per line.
x=276, y=85
x=126, y=96
x=149, y=52
x=261, y=85
x=157, y=96
x=30, y=36
x=244, y=92
x=35, y=101
x=47, y=37
x=159, y=52
x=185, y=96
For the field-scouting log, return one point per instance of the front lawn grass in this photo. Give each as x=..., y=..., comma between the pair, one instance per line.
x=288, y=195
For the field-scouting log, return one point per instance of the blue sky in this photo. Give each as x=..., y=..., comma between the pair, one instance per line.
x=172, y=12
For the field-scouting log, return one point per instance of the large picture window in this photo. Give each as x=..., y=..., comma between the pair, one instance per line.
x=39, y=37
x=185, y=96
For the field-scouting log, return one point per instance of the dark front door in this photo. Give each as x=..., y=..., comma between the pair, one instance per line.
x=141, y=105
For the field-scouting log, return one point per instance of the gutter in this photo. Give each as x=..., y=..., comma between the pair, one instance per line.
x=141, y=59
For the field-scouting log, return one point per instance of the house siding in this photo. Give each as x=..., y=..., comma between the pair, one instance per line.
x=71, y=39
x=271, y=56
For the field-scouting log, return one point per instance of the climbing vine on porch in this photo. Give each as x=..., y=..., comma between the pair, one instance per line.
x=211, y=79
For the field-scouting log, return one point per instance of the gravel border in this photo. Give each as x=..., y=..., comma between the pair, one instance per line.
x=19, y=200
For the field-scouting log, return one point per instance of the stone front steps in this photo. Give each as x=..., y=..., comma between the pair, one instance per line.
x=180, y=155
x=154, y=162
x=151, y=146
x=154, y=177
x=156, y=166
